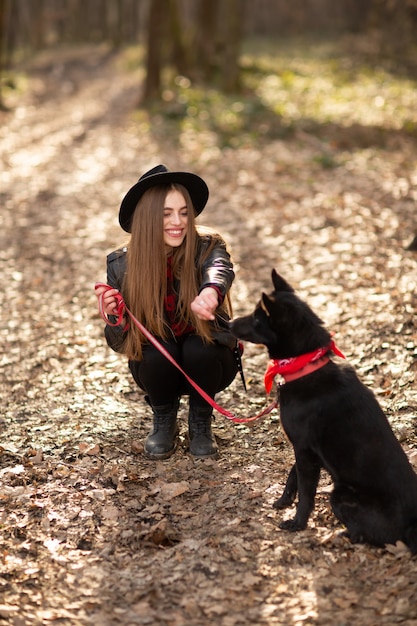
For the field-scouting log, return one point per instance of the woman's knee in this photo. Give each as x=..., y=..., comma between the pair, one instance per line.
x=154, y=366
x=196, y=352
x=214, y=363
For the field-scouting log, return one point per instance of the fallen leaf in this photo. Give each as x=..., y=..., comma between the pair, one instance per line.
x=168, y=491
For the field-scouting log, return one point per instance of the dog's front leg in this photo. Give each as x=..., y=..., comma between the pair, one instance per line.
x=290, y=490
x=308, y=475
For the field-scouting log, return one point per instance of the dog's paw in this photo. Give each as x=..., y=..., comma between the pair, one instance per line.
x=284, y=501
x=292, y=525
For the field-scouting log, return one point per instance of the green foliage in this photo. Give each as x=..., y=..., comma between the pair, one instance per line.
x=316, y=87
x=132, y=57
x=12, y=85
x=326, y=160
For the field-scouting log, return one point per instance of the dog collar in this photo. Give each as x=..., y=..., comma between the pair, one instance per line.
x=298, y=366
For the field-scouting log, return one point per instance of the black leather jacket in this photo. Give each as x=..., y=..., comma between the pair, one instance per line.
x=216, y=271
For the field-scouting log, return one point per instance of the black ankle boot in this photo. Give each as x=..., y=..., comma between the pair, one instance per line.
x=202, y=442
x=162, y=441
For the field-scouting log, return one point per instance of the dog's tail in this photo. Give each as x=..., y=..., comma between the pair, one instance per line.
x=410, y=536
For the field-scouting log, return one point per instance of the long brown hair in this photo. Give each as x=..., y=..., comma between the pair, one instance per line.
x=145, y=281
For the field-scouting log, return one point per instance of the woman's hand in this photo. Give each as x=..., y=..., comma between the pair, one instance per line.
x=205, y=304
x=109, y=301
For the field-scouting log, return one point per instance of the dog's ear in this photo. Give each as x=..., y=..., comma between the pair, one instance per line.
x=266, y=303
x=279, y=283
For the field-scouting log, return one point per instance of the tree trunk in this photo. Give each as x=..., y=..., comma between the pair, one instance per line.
x=206, y=43
x=179, y=47
x=2, y=49
x=230, y=70
x=156, y=21
x=38, y=22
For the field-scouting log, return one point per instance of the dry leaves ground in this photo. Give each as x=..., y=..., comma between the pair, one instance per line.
x=91, y=532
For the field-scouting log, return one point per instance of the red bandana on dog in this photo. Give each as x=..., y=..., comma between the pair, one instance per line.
x=296, y=363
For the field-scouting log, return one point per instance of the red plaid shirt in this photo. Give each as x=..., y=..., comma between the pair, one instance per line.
x=171, y=305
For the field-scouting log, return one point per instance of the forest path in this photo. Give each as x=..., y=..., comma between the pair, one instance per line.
x=93, y=533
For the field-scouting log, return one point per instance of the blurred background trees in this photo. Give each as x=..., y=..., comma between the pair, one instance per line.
x=200, y=39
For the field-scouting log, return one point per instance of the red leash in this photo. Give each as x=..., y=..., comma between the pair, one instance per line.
x=121, y=309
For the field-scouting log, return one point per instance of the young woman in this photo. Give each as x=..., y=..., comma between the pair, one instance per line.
x=175, y=279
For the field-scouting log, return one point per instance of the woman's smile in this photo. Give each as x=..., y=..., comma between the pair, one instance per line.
x=174, y=233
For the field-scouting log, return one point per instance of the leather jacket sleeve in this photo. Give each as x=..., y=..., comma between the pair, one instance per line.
x=217, y=269
x=116, y=267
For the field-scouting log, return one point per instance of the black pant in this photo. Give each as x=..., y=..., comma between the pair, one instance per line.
x=212, y=366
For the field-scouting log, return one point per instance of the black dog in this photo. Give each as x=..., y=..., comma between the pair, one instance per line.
x=334, y=422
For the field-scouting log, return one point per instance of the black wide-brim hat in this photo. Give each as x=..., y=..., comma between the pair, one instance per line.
x=160, y=175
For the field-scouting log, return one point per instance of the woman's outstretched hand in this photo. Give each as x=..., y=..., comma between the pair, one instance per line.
x=205, y=304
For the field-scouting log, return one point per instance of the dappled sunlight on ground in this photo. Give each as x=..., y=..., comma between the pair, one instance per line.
x=92, y=532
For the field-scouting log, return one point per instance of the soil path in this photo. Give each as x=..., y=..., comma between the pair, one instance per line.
x=92, y=533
